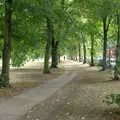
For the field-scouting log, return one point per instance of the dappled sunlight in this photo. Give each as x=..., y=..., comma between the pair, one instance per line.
x=64, y=54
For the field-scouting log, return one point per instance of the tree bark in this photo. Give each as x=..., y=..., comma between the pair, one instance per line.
x=92, y=51
x=117, y=67
x=79, y=46
x=105, y=42
x=4, y=79
x=55, y=55
x=84, y=51
x=109, y=58
x=54, y=51
x=48, y=46
x=76, y=54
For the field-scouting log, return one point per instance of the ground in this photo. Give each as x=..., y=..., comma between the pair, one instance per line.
x=29, y=76
x=81, y=99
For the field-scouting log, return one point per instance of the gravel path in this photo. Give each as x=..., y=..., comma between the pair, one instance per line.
x=81, y=99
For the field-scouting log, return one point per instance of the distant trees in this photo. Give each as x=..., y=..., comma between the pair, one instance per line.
x=37, y=31
x=52, y=28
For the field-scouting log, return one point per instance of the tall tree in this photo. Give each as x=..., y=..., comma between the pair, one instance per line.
x=4, y=79
x=117, y=67
x=79, y=51
x=55, y=42
x=54, y=50
x=92, y=50
x=48, y=46
x=105, y=38
x=84, y=49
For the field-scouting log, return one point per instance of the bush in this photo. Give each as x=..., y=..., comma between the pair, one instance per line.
x=112, y=99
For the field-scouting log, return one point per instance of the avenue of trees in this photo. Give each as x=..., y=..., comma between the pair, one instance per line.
x=31, y=29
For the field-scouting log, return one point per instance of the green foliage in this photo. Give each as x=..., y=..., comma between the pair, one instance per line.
x=112, y=99
x=70, y=19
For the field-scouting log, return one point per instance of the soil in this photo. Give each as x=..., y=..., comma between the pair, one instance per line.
x=29, y=76
x=81, y=99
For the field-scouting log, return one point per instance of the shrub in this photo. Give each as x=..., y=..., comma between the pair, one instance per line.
x=112, y=99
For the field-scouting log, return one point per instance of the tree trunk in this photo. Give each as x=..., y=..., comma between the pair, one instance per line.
x=92, y=51
x=76, y=55
x=117, y=67
x=54, y=51
x=58, y=55
x=4, y=79
x=48, y=47
x=55, y=55
x=109, y=58
x=79, y=46
x=104, y=43
x=84, y=51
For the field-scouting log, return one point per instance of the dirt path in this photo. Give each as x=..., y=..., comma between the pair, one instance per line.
x=17, y=106
x=81, y=99
x=27, y=77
